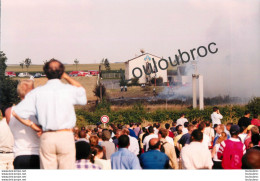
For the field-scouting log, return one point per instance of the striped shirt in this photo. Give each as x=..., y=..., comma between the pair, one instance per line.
x=84, y=164
x=231, y=152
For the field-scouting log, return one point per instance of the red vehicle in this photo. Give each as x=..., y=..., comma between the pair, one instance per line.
x=93, y=72
x=74, y=73
x=10, y=74
x=79, y=73
x=83, y=74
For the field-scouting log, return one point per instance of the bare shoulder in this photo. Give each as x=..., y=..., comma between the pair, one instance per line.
x=8, y=113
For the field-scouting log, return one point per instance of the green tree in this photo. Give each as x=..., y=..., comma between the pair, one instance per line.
x=76, y=62
x=8, y=94
x=22, y=65
x=27, y=63
x=106, y=63
x=254, y=105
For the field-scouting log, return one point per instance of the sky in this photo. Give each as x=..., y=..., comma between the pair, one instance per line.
x=90, y=30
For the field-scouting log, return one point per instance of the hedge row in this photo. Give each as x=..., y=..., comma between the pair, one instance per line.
x=138, y=114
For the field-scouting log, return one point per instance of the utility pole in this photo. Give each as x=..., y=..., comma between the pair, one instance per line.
x=100, y=85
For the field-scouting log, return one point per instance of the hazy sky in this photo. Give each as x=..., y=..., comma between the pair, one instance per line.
x=90, y=30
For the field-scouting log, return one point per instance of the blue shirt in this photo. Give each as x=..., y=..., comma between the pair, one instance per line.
x=124, y=159
x=185, y=139
x=132, y=133
x=154, y=159
x=52, y=104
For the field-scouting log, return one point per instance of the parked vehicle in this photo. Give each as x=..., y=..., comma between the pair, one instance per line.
x=24, y=74
x=73, y=73
x=10, y=74
x=37, y=75
x=93, y=72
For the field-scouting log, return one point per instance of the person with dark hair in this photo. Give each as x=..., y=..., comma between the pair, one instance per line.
x=206, y=139
x=185, y=128
x=138, y=129
x=168, y=148
x=147, y=138
x=123, y=158
x=209, y=131
x=251, y=160
x=97, y=154
x=167, y=126
x=154, y=158
x=181, y=120
x=144, y=132
x=117, y=135
x=82, y=136
x=131, y=130
x=245, y=121
x=216, y=116
x=109, y=146
x=53, y=104
x=232, y=150
x=83, y=154
x=255, y=141
x=185, y=139
x=177, y=138
x=134, y=146
x=174, y=124
x=251, y=131
x=196, y=155
x=255, y=121
x=6, y=143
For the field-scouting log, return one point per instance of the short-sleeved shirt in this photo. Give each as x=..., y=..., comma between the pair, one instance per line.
x=185, y=139
x=53, y=105
x=154, y=159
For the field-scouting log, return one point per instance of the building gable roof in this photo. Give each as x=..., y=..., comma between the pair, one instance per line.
x=142, y=55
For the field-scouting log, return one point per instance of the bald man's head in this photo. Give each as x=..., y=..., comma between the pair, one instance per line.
x=154, y=144
x=251, y=160
x=53, y=69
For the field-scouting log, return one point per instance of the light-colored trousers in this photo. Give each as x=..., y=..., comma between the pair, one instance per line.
x=6, y=161
x=57, y=150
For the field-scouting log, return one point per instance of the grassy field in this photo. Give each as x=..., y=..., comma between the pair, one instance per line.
x=68, y=67
x=89, y=84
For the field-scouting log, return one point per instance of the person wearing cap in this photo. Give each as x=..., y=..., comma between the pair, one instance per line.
x=53, y=105
x=109, y=146
x=232, y=150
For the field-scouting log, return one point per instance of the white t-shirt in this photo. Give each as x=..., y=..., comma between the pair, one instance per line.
x=147, y=139
x=134, y=146
x=184, y=130
x=206, y=140
x=215, y=158
x=169, y=140
x=216, y=118
x=196, y=156
x=181, y=121
x=26, y=140
x=242, y=136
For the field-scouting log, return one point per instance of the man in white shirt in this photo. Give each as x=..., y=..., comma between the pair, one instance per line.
x=53, y=104
x=182, y=120
x=196, y=155
x=134, y=146
x=147, y=138
x=216, y=116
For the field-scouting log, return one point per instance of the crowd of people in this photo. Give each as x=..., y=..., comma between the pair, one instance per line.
x=40, y=133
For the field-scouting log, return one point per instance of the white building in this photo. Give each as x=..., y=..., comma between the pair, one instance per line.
x=142, y=65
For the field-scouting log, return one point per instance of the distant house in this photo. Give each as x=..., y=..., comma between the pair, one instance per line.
x=144, y=64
